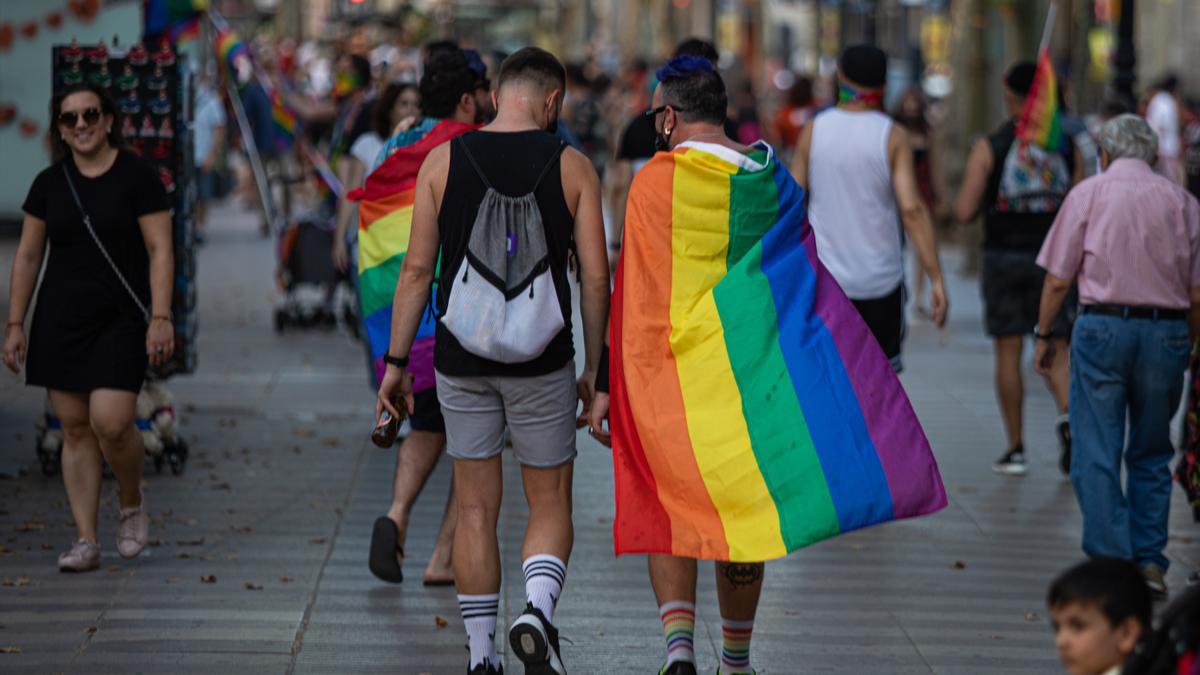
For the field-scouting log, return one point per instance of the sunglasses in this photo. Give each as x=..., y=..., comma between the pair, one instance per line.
x=653, y=112
x=69, y=118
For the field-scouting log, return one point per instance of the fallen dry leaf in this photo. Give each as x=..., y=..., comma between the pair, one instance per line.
x=114, y=568
x=1032, y=616
x=246, y=529
x=171, y=580
x=286, y=580
x=47, y=547
x=441, y=623
x=320, y=540
x=251, y=586
x=231, y=556
x=10, y=650
x=209, y=579
x=183, y=555
x=31, y=526
x=90, y=629
x=959, y=565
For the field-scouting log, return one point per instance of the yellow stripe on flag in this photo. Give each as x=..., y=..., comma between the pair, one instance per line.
x=716, y=423
x=385, y=238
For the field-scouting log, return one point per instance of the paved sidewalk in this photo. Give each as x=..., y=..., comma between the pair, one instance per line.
x=283, y=485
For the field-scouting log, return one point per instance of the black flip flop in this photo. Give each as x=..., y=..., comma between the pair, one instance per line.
x=384, y=548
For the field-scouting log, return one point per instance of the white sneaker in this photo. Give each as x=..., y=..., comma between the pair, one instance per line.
x=84, y=556
x=134, y=530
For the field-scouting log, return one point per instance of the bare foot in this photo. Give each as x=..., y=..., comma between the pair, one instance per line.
x=439, y=572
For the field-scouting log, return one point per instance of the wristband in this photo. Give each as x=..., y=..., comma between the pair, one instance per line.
x=602, y=371
x=398, y=361
x=1042, y=336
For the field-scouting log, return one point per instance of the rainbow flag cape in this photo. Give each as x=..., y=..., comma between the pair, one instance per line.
x=752, y=411
x=384, y=226
x=1040, y=123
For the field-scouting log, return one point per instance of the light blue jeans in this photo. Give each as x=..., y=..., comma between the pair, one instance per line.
x=1125, y=367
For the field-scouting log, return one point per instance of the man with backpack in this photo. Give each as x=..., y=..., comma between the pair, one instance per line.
x=1019, y=187
x=505, y=207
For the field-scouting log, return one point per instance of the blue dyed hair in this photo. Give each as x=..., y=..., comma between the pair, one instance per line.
x=693, y=87
x=681, y=67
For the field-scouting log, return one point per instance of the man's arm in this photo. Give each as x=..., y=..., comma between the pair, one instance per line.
x=970, y=196
x=917, y=223
x=799, y=167
x=593, y=254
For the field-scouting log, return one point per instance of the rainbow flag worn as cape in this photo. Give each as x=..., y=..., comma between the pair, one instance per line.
x=752, y=411
x=384, y=226
x=1040, y=123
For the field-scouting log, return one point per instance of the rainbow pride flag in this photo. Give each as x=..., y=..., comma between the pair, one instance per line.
x=752, y=411
x=384, y=226
x=1040, y=123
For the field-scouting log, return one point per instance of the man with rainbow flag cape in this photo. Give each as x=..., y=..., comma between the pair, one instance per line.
x=385, y=221
x=752, y=412
x=1018, y=177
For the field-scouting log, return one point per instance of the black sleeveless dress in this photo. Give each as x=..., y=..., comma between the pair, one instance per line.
x=87, y=333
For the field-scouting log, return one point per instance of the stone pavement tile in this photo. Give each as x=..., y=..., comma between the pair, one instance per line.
x=180, y=663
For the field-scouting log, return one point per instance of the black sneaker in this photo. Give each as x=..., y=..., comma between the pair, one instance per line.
x=679, y=668
x=535, y=641
x=1012, y=463
x=486, y=668
x=1063, y=429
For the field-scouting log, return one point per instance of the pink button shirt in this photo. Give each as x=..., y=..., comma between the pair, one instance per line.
x=1129, y=236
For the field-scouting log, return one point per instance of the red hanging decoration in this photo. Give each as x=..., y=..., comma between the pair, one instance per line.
x=28, y=127
x=8, y=112
x=30, y=29
x=89, y=10
x=54, y=20
x=6, y=36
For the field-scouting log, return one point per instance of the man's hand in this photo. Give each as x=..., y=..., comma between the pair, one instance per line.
x=341, y=254
x=1044, y=353
x=939, y=305
x=585, y=389
x=396, y=385
x=598, y=419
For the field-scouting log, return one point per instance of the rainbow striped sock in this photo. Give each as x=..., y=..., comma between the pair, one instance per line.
x=735, y=647
x=679, y=628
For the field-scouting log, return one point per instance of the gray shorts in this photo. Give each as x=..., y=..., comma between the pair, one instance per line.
x=538, y=411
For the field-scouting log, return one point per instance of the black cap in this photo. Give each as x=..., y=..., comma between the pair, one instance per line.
x=1019, y=79
x=864, y=65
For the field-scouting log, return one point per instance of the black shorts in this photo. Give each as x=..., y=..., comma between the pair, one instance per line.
x=1012, y=295
x=885, y=318
x=427, y=413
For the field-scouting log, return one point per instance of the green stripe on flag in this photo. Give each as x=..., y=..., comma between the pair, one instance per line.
x=377, y=286
x=778, y=431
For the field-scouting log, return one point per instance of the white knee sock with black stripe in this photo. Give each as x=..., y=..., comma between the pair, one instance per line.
x=479, y=615
x=544, y=577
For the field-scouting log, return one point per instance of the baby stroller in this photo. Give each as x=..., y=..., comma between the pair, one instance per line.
x=155, y=419
x=317, y=295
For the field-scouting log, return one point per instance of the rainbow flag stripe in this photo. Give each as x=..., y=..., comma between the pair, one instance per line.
x=384, y=226
x=1040, y=123
x=753, y=413
x=178, y=21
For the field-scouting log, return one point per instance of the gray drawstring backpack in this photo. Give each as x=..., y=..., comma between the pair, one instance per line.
x=503, y=304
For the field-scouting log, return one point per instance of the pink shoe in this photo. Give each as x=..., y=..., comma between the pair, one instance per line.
x=84, y=556
x=134, y=530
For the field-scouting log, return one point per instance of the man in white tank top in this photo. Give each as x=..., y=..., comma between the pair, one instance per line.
x=857, y=168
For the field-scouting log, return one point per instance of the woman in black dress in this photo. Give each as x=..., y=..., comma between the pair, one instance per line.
x=89, y=341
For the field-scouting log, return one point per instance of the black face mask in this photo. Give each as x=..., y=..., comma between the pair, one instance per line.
x=662, y=143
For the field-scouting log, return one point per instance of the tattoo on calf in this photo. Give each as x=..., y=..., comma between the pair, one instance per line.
x=742, y=575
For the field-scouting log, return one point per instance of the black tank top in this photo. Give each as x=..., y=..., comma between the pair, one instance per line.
x=512, y=163
x=1023, y=232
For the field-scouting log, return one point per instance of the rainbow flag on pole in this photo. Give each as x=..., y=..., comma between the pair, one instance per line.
x=752, y=411
x=384, y=226
x=178, y=21
x=1040, y=123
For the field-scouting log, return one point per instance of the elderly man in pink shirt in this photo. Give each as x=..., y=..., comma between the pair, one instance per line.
x=1131, y=239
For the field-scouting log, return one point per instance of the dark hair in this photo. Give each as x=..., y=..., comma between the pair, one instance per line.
x=58, y=147
x=1019, y=78
x=864, y=65
x=692, y=85
x=1115, y=586
x=362, y=69
x=1169, y=83
x=1113, y=107
x=696, y=47
x=447, y=77
x=536, y=66
x=436, y=47
x=801, y=93
x=381, y=117
x=1177, y=635
x=921, y=124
